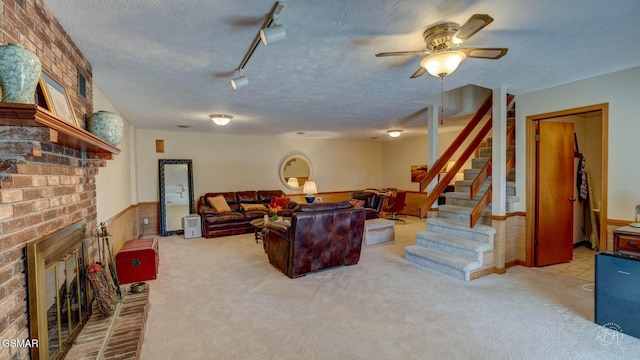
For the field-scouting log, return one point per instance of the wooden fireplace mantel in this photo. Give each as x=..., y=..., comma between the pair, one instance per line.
x=61, y=132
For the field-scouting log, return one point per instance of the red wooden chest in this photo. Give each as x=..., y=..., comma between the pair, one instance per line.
x=138, y=260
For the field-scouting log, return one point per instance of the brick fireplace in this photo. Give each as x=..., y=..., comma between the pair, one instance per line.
x=47, y=173
x=47, y=166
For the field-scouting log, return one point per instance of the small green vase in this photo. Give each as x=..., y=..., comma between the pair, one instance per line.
x=19, y=74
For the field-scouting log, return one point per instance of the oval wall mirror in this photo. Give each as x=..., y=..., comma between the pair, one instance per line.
x=295, y=170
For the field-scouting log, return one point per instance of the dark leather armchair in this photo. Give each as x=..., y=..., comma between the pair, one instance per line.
x=319, y=236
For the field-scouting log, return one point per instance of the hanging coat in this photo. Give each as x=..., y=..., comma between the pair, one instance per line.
x=581, y=180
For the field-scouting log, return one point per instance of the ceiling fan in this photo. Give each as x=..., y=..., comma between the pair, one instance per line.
x=443, y=47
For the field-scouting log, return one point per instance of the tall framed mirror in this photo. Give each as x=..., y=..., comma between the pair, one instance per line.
x=295, y=170
x=176, y=194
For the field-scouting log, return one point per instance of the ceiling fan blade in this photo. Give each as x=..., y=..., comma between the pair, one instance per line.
x=418, y=73
x=485, y=53
x=475, y=23
x=403, y=53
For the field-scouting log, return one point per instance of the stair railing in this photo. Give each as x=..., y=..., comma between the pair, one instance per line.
x=485, y=172
x=451, y=150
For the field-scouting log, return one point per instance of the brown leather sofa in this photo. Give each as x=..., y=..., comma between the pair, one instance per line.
x=237, y=221
x=372, y=202
x=319, y=236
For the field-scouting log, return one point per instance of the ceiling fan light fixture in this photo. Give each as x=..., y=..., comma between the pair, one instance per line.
x=221, y=119
x=394, y=133
x=442, y=63
x=272, y=34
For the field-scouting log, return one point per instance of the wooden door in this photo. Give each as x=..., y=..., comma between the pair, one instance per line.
x=554, y=193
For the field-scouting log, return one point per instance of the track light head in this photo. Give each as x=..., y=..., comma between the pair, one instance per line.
x=272, y=34
x=240, y=81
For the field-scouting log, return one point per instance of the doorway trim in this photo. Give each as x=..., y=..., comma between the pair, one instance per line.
x=531, y=122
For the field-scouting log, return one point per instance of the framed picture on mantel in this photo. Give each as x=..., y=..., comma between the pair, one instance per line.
x=58, y=99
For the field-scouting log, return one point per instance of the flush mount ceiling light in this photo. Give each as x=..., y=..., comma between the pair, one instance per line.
x=394, y=133
x=221, y=119
x=270, y=32
x=443, y=63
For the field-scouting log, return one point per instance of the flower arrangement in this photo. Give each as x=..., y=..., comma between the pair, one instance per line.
x=275, y=211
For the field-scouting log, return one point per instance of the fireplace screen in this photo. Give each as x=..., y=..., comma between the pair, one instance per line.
x=57, y=291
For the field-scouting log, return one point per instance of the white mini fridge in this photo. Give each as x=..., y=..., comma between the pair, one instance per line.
x=191, y=225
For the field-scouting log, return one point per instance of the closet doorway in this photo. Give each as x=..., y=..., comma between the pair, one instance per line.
x=591, y=124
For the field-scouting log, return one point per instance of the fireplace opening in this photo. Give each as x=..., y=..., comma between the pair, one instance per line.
x=57, y=291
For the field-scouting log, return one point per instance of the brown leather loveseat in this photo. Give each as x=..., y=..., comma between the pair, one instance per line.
x=236, y=221
x=372, y=202
x=319, y=236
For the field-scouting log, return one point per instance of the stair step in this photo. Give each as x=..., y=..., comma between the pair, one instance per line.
x=478, y=163
x=462, y=214
x=462, y=199
x=464, y=186
x=471, y=174
x=480, y=232
x=451, y=265
x=485, y=152
x=468, y=249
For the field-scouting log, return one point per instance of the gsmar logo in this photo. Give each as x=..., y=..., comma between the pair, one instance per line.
x=610, y=334
x=19, y=343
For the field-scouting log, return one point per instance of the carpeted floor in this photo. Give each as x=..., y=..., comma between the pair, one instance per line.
x=221, y=299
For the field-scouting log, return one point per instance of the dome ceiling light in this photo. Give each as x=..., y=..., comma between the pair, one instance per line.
x=221, y=119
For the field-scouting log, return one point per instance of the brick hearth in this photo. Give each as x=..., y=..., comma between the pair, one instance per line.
x=116, y=337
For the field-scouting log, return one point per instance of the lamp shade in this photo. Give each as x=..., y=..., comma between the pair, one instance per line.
x=272, y=34
x=443, y=63
x=240, y=81
x=293, y=182
x=310, y=188
x=221, y=119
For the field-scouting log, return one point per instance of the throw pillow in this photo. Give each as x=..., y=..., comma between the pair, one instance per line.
x=250, y=207
x=357, y=203
x=219, y=203
x=281, y=202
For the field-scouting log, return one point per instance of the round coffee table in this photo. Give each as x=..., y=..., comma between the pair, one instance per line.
x=258, y=225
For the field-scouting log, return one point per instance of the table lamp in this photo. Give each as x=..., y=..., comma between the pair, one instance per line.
x=309, y=189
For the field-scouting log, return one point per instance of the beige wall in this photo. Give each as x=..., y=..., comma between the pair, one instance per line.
x=114, y=183
x=398, y=155
x=620, y=90
x=235, y=162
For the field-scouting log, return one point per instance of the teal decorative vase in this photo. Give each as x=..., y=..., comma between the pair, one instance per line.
x=19, y=74
x=107, y=126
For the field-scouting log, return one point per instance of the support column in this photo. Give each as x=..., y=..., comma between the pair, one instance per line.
x=499, y=176
x=499, y=153
x=433, y=120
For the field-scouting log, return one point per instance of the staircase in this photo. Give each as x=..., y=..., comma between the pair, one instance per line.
x=450, y=245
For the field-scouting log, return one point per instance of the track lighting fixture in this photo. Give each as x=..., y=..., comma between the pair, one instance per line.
x=270, y=32
x=240, y=81
x=221, y=119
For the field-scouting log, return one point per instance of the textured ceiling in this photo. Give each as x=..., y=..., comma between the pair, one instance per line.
x=164, y=63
